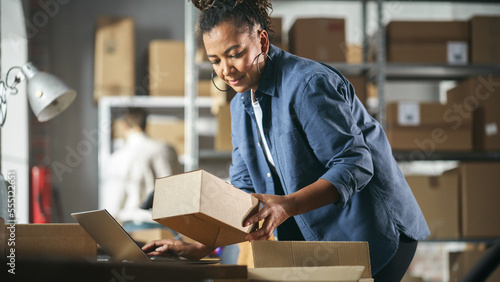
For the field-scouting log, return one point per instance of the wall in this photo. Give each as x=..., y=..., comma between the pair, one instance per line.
x=14, y=143
x=73, y=134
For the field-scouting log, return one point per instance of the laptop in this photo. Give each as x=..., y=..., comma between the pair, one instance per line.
x=115, y=241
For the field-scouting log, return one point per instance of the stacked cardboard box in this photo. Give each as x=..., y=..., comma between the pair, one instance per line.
x=359, y=84
x=220, y=98
x=276, y=36
x=480, y=97
x=114, y=57
x=479, y=194
x=438, y=197
x=320, y=39
x=427, y=127
x=439, y=42
x=461, y=203
x=223, y=137
x=166, y=69
x=484, y=40
x=168, y=131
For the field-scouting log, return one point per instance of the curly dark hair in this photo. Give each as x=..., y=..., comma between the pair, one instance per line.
x=245, y=14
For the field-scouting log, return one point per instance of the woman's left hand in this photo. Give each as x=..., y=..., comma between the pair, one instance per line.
x=275, y=210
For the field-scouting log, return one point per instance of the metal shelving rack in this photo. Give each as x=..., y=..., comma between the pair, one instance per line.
x=380, y=71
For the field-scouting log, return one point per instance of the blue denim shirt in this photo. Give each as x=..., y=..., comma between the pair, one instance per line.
x=316, y=127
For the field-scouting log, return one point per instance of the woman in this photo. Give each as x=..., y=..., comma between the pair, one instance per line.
x=305, y=146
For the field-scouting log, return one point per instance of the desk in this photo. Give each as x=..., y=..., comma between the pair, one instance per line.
x=55, y=270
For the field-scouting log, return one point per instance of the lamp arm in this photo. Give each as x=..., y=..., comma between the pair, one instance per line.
x=5, y=89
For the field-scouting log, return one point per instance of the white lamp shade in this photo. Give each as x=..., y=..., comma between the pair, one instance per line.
x=48, y=96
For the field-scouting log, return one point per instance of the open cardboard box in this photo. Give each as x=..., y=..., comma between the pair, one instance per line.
x=203, y=207
x=310, y=261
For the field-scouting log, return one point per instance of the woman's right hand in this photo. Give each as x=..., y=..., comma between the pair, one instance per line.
x=169, y=247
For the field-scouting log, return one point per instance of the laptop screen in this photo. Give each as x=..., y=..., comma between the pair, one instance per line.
x=110, y=235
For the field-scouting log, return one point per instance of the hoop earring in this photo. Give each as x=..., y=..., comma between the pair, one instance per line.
x=257, y=58
x=213, y=82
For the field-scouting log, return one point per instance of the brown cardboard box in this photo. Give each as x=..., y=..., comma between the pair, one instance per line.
x=484, y=40
x=223, y=140
x=166, y=69
x=430, y=31
x=354, y=54
x=220, y=98
x=114, y=57
x=439, y=42
x=204, y=87
x=359, y=84
x=58, y=240
x=170, y=132
x=201, y=54
x=430, y=53
x=479, y=199
x=438, y=198
x=290, y=254
x=276, y=36
x=462, y=262
x=203, y=207
x=320, y=39
x=480, y=96
x=427, y=127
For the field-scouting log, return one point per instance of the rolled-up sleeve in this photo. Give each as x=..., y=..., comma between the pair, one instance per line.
x=324, y=111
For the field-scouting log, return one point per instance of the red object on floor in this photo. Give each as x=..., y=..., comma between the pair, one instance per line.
x=41, y=195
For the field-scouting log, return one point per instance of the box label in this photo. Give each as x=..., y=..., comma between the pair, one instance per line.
x=457, y=53
x=491, y=129
x=409, y=114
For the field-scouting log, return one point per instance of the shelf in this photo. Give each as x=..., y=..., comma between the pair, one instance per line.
x=403, y=71
x=437, y=72
x=461, y=240
x=153, y=101
x=209, y=154
x=345, y=68
x=348, y=69
x=419, y=155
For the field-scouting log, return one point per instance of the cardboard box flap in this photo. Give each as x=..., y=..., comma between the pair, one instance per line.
x=299, y=254
x=316, y=273
x=214, y=233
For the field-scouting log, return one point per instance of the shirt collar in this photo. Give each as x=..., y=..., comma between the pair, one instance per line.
x=267, y=84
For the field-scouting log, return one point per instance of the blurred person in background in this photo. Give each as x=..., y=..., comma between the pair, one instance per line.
x=132, y=169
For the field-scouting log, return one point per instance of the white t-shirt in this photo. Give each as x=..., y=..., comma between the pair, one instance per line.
x=258, y=116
